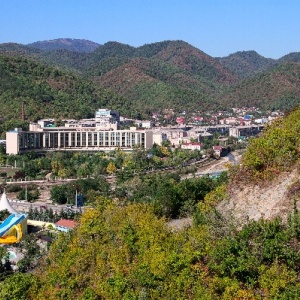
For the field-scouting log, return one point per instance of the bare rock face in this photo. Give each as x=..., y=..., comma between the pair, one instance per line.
x=252, y=202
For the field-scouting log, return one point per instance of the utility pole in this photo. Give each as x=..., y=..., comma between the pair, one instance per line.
x=76, y=199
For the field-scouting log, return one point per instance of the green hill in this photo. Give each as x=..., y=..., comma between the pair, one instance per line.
x=291, y=57
x=274, y=89
x=47, y=91
x=76, y=45
x=168, y=74
x=246, y=63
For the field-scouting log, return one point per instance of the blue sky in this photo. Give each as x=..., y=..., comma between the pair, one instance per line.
x=217, y=27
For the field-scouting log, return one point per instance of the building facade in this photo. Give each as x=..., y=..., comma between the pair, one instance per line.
x=246, y=131
x=105, y=118
x=76, y=139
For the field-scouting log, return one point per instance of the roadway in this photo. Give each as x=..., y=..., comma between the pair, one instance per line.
x=24, y=206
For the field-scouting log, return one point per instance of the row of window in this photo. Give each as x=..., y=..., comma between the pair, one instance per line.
x=80, y=139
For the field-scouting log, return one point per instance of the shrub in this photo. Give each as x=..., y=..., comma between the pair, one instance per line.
x=31, y=195
x=13, y=188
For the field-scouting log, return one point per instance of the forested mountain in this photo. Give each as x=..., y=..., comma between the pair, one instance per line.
x=246, y=63
x=168, y=74
x=19, y=49
x=291, y=57
x=47, y=91
x=77, y=45
x=171, y=73
x=274, y=89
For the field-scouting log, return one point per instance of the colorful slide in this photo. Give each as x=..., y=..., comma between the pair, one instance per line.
x=12, y=220
x=11, y=239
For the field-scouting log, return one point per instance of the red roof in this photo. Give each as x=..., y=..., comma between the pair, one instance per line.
x=217, y=148
x=66, y=223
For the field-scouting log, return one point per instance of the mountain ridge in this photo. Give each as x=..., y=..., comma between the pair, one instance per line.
x=78, y=45
x=172, y=74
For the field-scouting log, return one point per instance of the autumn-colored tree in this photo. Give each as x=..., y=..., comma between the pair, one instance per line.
x=111, y=168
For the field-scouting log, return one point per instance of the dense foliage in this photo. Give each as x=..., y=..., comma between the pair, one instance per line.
x=81, y=165
x=276, y=150
x=247, y=63
x=47, y=92
x=168, y=195
x=274, y=89
x=126, y=252
x=4, y=214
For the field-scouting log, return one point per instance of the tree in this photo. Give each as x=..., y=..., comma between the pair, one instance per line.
x=17, y=286
x=2, y=156
x=31, y=253
x=166, y=201
x=58, y=194
x=111, y=168
x=30, y=195
x=4, y=214
x=19, y=175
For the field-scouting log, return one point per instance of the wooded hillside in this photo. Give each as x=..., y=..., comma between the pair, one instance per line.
x=169, y=74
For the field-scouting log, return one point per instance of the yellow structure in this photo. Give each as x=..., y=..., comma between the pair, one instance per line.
x=14, y=235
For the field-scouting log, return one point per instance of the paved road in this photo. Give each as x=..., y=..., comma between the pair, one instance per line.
x=22, y=205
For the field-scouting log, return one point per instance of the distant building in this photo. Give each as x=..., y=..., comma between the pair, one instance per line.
x=159, y=137
x=192, y=146
x=84, y=135
x=261, y=121
x=104, y=118
x=206, y=135
x=174, y=135
x=65, y=225
x=47, y=122
x=75, y=139
x=219, y=151
x=180, y=120
x=246, y=131
x=144, y=124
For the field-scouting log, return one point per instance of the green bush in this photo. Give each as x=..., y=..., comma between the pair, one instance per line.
x=13, y=188
x=31, y=195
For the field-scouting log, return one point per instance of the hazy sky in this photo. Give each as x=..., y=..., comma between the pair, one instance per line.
x=218, y=27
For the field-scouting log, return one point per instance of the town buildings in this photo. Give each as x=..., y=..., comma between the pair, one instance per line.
x=102, y=133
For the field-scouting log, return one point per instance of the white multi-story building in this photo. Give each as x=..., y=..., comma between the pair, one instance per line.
x=106, y=118
x=76, y=139
x=84, y=135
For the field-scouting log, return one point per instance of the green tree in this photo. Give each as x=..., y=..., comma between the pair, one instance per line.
x=58, y=194
x=4, y=214
x=17, y=287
